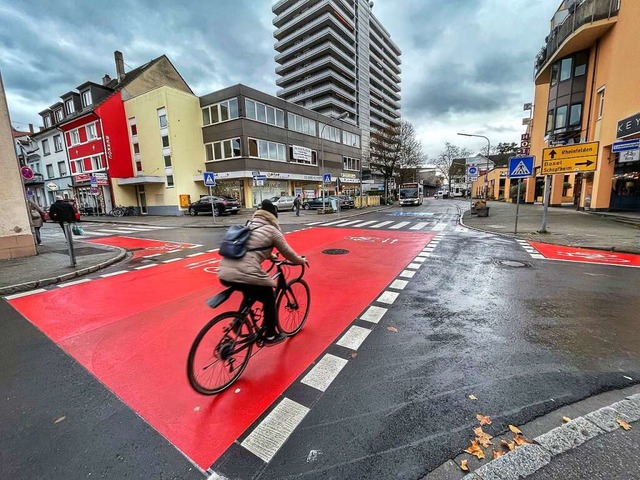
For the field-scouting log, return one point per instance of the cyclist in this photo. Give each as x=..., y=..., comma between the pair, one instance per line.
x=246, y=273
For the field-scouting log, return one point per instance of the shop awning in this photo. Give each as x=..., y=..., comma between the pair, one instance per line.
x=139, y=180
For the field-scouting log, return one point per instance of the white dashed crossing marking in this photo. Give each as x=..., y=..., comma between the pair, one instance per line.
x=373, y=314
x=387, y=297
x=324, y=372
x=381, y=224
x=354, y=337
x=24, y=294
x=419, y=226
x=399, y=225
x=407, y=274
x=398, y=284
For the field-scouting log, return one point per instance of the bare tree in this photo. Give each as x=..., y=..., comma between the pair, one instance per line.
x=445, y=160
x=411, y=156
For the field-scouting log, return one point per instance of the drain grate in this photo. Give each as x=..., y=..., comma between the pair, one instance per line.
x=512, y=263
x=335, y=251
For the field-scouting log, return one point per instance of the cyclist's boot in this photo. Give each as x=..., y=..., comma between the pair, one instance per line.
x=270, y=340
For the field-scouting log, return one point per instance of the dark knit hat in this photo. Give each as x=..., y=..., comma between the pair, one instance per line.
x=269, y=207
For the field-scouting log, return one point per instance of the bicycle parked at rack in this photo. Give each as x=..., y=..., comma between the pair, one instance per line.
x=222, y=349
x=121, y=211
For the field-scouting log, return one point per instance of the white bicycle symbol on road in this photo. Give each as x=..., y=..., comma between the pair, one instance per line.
x=603, y=257
x=372, y=239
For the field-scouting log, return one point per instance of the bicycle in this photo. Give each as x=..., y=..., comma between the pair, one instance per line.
x=120, y=211
x=216, y=361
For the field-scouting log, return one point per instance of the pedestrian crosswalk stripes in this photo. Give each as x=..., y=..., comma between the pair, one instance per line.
x=398, y=226
x=94, y=229
x=381, y=224
x=436, y=225
x=419, y=226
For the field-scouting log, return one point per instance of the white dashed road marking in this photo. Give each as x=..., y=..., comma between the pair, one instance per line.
x=373, y=314
x=354, y=337
x=381, y=224
x=399, y=225
x=419, y=226
x=387, y=297
x=324, y=372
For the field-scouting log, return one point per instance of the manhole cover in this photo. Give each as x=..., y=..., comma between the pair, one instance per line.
x=512, y=263
x=335, y=251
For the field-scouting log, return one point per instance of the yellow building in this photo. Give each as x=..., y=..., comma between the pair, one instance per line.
x=167, y=151
x=586, y=90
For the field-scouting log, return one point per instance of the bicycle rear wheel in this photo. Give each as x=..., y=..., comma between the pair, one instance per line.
x=293, y=307
x=220, y=353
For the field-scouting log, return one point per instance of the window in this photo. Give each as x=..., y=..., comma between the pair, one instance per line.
x=50, y=172
x=96, y=162
x=565, y=69
x=267, y=150
x=301, y=124
x=167, y=160
x=62, y=168
x=165, y=141
x=600, y=102
x=264, y=113
x=169, y=180
x=575, y=116
x=69, y=106
x=223, y=149
x=57, y=143
x=329, y=132
x=86, y=98
x=220, y=112
x=77, y=166
x=74, y=137
x=138, y=166
x=47, y=121
x=561, y=117
x=554, y=74
x=351, y=139
x=136, y=148
x=162, y=117
x=581, y=64
x=351, y=163
x=133, y=126
x=59, y=115
x=313, y=161
x=45, y=147
x=92, y=133
x=549, y=121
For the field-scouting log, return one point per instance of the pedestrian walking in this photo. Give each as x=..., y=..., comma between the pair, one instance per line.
x=61, y=212
x=297, y=203
x=37, y=218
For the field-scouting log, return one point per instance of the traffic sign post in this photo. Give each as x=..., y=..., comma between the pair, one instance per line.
x=520, y=167
x=326, y=179
x=26, y=172
x=581, y=157
x=209, y=179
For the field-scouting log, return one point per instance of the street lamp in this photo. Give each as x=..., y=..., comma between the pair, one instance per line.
x=342, y=116
x=486, y=174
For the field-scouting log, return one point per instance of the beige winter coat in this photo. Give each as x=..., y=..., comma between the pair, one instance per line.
x=37, y=214
x=248, y=268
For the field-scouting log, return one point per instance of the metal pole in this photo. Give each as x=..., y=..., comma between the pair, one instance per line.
x=361, y=184
x=547, y=194
x=486, y=174
x=213, y=207
x=69, y=235
x=518, y=205
x=322, y=173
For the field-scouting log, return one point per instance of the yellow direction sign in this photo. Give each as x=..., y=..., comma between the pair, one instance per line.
x=581, y=157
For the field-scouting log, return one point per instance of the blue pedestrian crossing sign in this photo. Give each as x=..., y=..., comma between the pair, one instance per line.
x=326, y=178
x=521, y=167
x=209, y=179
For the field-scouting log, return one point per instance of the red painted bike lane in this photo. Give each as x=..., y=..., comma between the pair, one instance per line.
x=586, y=255
x=133, y=332
x=142, y=247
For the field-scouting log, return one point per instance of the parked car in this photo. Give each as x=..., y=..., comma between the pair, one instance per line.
x=223, y=204
x=346, y=202
x=316, y=203
x=283, y=203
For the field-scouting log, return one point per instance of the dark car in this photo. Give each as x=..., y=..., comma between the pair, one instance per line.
x=346, y=202
x=316, y=203
x=223, y=204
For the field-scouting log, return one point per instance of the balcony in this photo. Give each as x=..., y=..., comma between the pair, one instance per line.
x=330, y=101
x=327, y=33
x=322, y=89
x=298, y=9
x=324, y=20
x=582, y=26
x=380, y=111
x=314, y=66
x=38, y=179
x=392, y=80
x=383, y=59
x=327, y=47
x=327, y=74
x=376, y=25
x=393, y=101
x=329, y=6
x=391, y=59
x=383, y=99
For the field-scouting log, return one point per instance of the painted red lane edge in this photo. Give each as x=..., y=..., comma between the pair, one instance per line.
x=133, y=332
x=141, y=246
x=586, y=255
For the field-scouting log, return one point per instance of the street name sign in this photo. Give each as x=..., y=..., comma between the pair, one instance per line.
x=626, y=145
x=209, y=179
x=581, y=157
x=521, y=167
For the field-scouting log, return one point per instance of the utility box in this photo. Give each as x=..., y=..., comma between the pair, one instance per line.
x=185, y=200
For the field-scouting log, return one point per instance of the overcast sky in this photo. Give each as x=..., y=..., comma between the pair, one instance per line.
x=467, y=65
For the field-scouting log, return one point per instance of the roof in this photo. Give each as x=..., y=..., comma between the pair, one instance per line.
x=17, y=134
x=501, y=160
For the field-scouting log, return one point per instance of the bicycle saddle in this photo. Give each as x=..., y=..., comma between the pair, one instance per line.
x=220, y=298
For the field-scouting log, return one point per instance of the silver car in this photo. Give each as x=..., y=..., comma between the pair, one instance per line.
x=283, y=203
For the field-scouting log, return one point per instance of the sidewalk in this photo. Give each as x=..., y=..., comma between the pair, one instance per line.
x=565, y=226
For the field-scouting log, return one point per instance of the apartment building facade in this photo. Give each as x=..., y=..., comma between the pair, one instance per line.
x=586, y=91
x=335, y=56
x=247, y=133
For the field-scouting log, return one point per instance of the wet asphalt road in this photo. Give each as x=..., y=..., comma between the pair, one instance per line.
x=523, y=340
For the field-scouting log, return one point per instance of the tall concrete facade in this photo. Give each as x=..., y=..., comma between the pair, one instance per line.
x=335, y=56
x=16, y=238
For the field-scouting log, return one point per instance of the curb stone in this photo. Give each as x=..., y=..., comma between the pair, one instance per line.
x=23, y=287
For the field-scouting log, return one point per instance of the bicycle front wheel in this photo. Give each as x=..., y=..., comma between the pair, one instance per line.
x=220, y=353
x=293, y=307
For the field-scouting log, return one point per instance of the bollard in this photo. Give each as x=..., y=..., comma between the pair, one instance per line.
x=69, y=235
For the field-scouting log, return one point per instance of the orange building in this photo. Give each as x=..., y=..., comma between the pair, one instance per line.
x=586, y=90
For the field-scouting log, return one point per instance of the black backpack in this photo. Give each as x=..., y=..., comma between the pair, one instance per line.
x=234, y=245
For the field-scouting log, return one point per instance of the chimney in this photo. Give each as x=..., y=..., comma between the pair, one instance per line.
x=106, y=79
x=31, y=128
x=119, y=64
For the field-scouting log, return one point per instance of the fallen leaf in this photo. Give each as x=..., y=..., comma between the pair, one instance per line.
x=463, y=465
x=515, y=429
x=508, y=445
x=473, y=397
x=482, y=437
x=519, y=440
x=566, y=419
x=484, y=420
x=497, y=454
x=475, y=450
x=621, y=422
x=59, y=419
x=237, y=390
x=196, y=409
x=392, y=329
x=354, y=354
